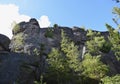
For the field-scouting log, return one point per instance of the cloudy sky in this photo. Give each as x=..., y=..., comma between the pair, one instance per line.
x=69, y=13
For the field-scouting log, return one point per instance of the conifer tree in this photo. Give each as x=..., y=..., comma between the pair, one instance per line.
x=92, y=67
x=71, y=51
x=56, y=60
x=114, y=37
x=114, y=34
x=95, y=42
x=58, y=70
x=64, y=62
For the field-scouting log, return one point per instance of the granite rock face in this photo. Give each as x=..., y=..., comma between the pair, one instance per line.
x=30, y=37
x=27, y=39
x=11, y=68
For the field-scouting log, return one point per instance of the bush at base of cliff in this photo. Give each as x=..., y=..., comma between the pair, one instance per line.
x=93, y=68
x=111, y=80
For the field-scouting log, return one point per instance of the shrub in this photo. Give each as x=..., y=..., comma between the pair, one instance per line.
x=95, y=42
x=111, y=80
x=55, y=25
x=49, y=33
x=93, y=67
x=16, y=29
x=106, y=47
x=19, y=41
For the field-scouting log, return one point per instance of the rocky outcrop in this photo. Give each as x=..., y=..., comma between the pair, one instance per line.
x=27, y=39
x=79, y=35
x=30, y=37
x=4, y=43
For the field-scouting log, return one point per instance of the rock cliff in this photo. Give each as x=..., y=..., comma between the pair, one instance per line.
x=29, y=39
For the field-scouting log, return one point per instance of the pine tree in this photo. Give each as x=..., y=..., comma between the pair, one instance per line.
x=114, y=37
x=71, y=51
x=64, y=62
x=58, y=69
x=56, y=60
x=114, y=34
x=95, y=42
x=92, y=67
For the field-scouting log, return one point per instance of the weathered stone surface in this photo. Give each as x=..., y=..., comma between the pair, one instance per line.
x=27, y=39
x=34, y=21
x=4, y=42
x=31, y=37
x=79, y=35
x=10, y=68
x=110, y=60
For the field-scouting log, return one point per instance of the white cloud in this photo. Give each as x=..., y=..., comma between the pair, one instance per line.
x=10, y=13
x=44, y=21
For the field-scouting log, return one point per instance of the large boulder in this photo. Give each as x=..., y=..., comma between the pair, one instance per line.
x=4, y=43
x=27, y=38
x=34, y=21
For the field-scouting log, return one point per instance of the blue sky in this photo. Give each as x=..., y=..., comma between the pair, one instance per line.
x=90, y=14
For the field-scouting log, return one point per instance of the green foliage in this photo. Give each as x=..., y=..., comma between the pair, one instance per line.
x=64, y=42
x=39, y=82
x=39, y=52
x=16, y=28
x=64, y=62
x=59, y=71
x=106, y=47
x=90, y=34
x=36, y=52
x=49, y=33
x=95, y=42
x=111, y=80
x=114, y=37
x=18, y=41
x=71, y=52
x=56, y=60
x=116, y=10
x=83, y=28
x=58, y=68
x=93, y=68
x=55, y=25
